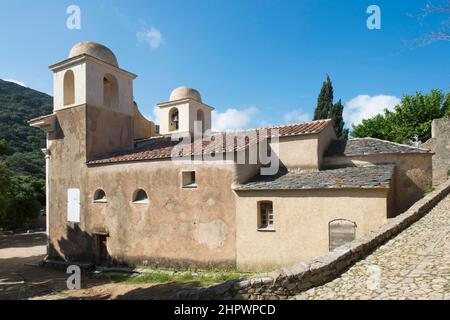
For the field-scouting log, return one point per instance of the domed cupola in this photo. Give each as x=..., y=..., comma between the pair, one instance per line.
x=185, y=93
x=95, y=50
x=184, y=113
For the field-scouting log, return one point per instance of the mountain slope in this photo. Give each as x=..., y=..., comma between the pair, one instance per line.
x=17, y=105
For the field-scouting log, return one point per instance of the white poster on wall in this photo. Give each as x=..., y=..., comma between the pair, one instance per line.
x=73, y=205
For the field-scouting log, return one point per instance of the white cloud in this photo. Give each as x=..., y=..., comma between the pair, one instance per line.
x=364, y=107
x=296, y=116
x=232, y=119
x=20, y=83
x=152, y=37
x=154, y=116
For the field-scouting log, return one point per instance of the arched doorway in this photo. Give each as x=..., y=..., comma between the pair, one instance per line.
x=340, y=232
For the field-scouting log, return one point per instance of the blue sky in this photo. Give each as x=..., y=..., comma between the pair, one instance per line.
x=257, y=62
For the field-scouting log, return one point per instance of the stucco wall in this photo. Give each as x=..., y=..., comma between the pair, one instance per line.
x=79, y=86
x=142, y=128
x=301, y=223
x=183, y=118
x=107, y=131
x=413, y=173
x=67, y=170
x=178, y=226
x=95, y=72
x=194, y=108
x=88, y=78
x=325, y=138
x=298, y=153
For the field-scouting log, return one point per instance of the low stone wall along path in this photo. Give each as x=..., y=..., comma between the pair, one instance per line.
x=413, y=265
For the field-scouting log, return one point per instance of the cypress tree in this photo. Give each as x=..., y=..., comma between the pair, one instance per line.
x=338, y=120
x=324, y=101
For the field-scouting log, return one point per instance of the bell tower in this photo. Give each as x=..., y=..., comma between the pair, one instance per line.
x=184, y=108
x=90, y=79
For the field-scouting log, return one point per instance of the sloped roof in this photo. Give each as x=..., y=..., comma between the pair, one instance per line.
x=363, y=146
x=41, y=117
x=163, y=147
x=378, y=176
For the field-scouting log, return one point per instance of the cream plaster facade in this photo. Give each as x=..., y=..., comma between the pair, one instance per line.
x=301, y=223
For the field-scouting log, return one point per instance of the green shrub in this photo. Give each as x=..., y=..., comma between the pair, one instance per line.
x=22, y=204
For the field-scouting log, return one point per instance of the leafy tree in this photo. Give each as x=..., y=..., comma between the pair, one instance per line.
x=4, y=149
x=324, y=101
x=23, y=206
x=5, y=179
x=22, y=165
x=413, y=116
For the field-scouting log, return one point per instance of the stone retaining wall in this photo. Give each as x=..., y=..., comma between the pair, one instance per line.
x=287, y=282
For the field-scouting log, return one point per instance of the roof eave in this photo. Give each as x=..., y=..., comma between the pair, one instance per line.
x=46, y=123
x=318, y=188
x=86, y=57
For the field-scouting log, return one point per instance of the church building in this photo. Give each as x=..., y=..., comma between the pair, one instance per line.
x=123, y=190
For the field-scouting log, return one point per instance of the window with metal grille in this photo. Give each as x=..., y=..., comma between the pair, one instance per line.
x=265, y=215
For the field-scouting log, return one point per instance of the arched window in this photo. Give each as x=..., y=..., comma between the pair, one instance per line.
x=69, y=88
x=174, y=119
x=341, y=231
x=140, y=196
x=99, y=196
x=265, y=215
x=201, y=119
x=110, y=92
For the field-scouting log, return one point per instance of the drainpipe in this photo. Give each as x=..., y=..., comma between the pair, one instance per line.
x=46, y=152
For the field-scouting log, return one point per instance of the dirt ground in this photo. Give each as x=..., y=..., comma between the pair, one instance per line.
x=21, y=278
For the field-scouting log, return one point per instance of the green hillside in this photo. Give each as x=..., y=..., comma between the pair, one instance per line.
x=17, y=105
x=22, y=163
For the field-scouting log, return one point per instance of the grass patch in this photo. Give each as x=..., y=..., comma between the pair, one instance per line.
x=164, y=276
x=429, y=190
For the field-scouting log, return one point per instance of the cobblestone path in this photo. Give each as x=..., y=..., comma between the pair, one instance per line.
x=413, y=265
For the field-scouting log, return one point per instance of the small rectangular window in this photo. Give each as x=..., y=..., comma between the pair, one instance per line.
x=265, y=212
x=188, y=178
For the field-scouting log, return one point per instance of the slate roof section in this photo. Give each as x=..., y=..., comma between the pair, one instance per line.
x=378, y=176
x=363, y=146
x=162, y=147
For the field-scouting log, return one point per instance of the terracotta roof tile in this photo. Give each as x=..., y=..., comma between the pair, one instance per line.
x=162, y=147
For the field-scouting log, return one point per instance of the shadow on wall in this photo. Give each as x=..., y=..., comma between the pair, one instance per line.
x=78, y=245
x=58, y=133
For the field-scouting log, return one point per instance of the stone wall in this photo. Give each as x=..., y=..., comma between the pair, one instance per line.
x=287, y=282
x=440, y=145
